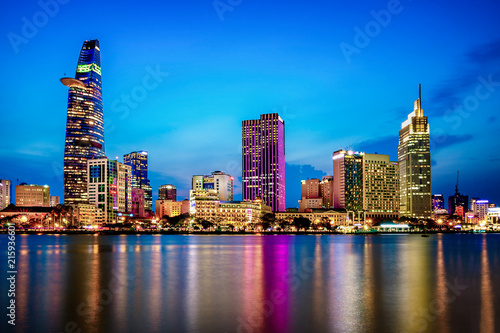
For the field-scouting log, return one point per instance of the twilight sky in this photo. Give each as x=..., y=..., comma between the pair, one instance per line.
x=341, y=75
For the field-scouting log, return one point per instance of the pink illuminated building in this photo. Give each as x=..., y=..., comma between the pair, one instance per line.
x=138, y=202
x=263, y=165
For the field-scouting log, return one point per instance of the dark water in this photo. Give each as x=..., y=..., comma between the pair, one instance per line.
x=386, y=283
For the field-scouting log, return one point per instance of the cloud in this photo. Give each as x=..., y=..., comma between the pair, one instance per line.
x=440, y=142
x=387, y=145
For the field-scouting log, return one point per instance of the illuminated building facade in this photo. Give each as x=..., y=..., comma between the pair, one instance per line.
x=54, y=200
x=110, y=187
x=218, y=181
x=316, y=216
x=138, y=161
x=348, y=180
x=32, y=195
x=167, y=192
x=380, y=186
x=137, y=204
x=415, y=165
x=479, y=207
x=437, y=202
x=171, y=208
x=316, y=194
x=263, y=160
x=85, y=126
x=5, y=193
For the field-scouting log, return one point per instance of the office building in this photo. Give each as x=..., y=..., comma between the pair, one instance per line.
x=219, y=181
x=380, y=186
x=414, y=159
x=263, y=160
x=84, y=126
x=32, y=195
x=167, y=192
x=110, y=187
x=138, y=162
x=5, y=193
x=348, y=180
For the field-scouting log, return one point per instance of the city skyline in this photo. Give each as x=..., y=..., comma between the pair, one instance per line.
x=200, y=93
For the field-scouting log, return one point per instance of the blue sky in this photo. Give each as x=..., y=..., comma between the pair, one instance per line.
x=224, y=63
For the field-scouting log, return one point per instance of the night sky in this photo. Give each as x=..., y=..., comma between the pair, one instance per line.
x=341, y=74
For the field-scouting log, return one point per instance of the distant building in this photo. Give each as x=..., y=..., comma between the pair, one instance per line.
x=414, y=159
x=32, y=195
x=437, y=202
x=263, y=165
x=138, y=162
x=479, y=207
x=335, y=218
x=380, y=186
x=348, y=180
x=85, y=214
x=167, y=192
x=458, y=204
x=5, y=193
x=54, y=200
x=493, y=216
x=326, y=191
x=316, y=194
x=138, y=203
x=218, y=181
x=171, y=208
x=109, y=187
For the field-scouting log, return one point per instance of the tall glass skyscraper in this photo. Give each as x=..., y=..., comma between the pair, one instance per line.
x=263, y=150
x=138, y=161
x=85, y=126
x=415, y=164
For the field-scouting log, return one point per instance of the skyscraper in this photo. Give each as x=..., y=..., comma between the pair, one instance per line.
x=85, y=126
x=138, y=161
x=437, y=202
x=415, y=164
x=263, y=165
x=348, y=180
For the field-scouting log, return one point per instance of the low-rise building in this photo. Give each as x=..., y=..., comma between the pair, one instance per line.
x=32, y=195
x=316, y=215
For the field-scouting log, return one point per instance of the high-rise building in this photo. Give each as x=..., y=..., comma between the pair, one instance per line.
x=380, y=186
x=5, y=193
x=32, y=195
x=437, y=202
x=138, y=161
x=348, y=180
x=263, y=160
x=85, y=126
x=415, y=164
x=109, y=187
x=219, y=181
x=326, y=191
x=167, y=192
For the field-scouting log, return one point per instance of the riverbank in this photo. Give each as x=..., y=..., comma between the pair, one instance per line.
x=206, y=232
